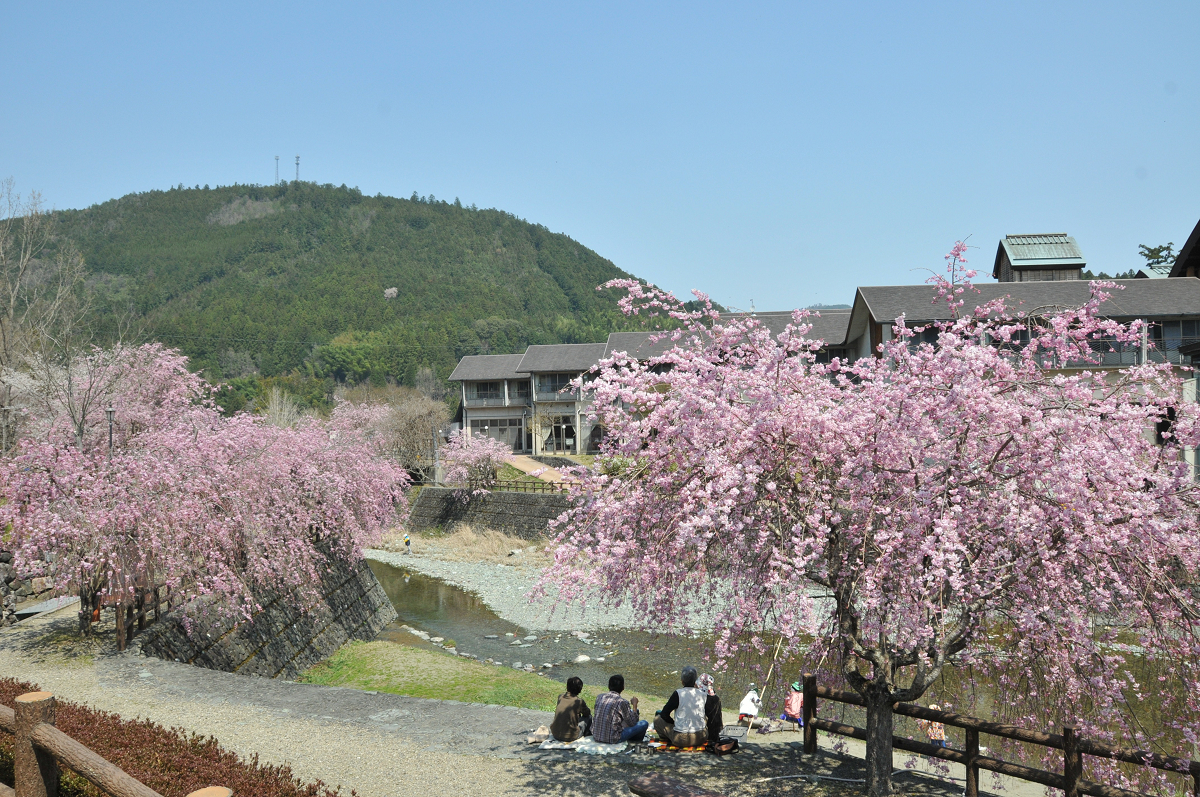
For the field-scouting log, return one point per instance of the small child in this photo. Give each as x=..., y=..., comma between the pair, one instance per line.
x=407, y=543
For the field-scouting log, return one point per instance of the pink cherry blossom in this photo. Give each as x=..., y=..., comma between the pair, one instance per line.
x=997, y=503
x=223, y=507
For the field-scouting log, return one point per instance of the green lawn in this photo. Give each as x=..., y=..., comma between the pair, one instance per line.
x=508, y=473
x=405, y=670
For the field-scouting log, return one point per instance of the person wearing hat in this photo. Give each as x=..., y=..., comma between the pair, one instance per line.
x=748, y=710
x=793, y=705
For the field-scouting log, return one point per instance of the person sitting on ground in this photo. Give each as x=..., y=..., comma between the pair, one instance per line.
x=793, y=705
x=750, y=705
x=685, y=720
x=572, y=718
x=616, y=719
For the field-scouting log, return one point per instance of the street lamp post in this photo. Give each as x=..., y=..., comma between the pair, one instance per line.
x=111, y=412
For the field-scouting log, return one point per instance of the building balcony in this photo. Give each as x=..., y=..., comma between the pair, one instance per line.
x=485, y=402
x=552, y=395
x=513, y=401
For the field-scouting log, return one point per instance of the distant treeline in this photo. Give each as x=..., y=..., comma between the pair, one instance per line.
x=306, y=285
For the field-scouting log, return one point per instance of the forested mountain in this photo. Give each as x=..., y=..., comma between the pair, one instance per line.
x=323, y=282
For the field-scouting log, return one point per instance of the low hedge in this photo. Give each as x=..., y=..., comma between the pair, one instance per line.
x=171, y=761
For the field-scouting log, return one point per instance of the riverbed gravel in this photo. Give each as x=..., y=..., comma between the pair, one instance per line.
x=383, y=745
x=505, y=589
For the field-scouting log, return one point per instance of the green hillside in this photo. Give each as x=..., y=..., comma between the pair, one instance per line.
x=291, y=279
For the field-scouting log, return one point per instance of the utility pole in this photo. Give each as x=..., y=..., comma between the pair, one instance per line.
x=276, y=170
x=297, y=168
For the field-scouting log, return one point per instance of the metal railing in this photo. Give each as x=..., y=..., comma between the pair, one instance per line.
x=39, y=748
x=511, y=401
x=1118, y=354
x=1074, y=747
x=485, y=402
x=554, y=395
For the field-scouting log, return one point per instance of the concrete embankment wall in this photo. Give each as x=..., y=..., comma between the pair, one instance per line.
x=287, y=636
x=523, y=515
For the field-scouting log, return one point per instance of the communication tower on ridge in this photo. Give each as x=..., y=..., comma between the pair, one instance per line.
x=297, y=168
x=276, y=170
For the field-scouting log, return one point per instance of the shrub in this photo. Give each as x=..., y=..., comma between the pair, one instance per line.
x=171, y=761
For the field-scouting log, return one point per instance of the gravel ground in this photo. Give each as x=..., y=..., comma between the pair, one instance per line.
x=378, y=744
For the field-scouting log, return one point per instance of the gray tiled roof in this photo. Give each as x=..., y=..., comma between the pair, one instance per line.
x=637, y=344
x=477, y=367
x=1141, y=298
x=1043, y=250
x=830, y=327
x=561, y=358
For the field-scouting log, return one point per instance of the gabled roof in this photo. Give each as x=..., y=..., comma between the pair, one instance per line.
x=1042, y=250
x=561, y=358
x=1141, y=298
x=480, y=367
x=1154, y=272
x=1189, y=255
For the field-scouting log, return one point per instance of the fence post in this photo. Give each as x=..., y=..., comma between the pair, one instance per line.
x=810, y=709
x=120, y=611
x=1072, y=762
x=35, y=772
x=972, y=787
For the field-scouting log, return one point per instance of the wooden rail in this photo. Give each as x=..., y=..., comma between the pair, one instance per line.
x=39, y=748
x=1071, y=779
x=507, y=485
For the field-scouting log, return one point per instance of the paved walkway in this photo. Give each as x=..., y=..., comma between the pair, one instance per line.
x=527, y=464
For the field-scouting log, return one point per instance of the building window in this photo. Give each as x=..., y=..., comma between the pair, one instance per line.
x=507, y=430
x=559, y=434
x=553, y=383
x=486, y=390
x=519, y=389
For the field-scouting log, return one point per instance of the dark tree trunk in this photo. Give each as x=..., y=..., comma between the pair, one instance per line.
x=85, y=612
x=879, y=741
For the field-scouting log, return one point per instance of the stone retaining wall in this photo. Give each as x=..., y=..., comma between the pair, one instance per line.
x=285, y=638
x=523, y=515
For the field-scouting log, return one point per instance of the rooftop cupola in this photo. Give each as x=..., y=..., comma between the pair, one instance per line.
x=1035, y=258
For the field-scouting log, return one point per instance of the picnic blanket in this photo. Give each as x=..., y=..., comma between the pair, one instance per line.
x=587, y=745
x=663, y=747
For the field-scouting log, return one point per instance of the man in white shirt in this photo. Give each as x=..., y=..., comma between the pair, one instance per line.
x=684, y=720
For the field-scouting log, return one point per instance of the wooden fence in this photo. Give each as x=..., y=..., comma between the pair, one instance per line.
x=39, y=748
x=1074, y=747
x=506, y=485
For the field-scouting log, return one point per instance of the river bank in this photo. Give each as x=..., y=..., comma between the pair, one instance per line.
x=505, y=586
x=382, y=745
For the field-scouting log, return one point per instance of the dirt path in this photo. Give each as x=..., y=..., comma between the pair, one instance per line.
x=381, y=744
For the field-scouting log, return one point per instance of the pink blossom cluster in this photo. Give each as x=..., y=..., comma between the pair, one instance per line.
x=997, y=501
x=207, y=504
x=472, y=461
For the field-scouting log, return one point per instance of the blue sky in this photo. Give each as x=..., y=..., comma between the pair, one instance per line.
x=780, y=154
